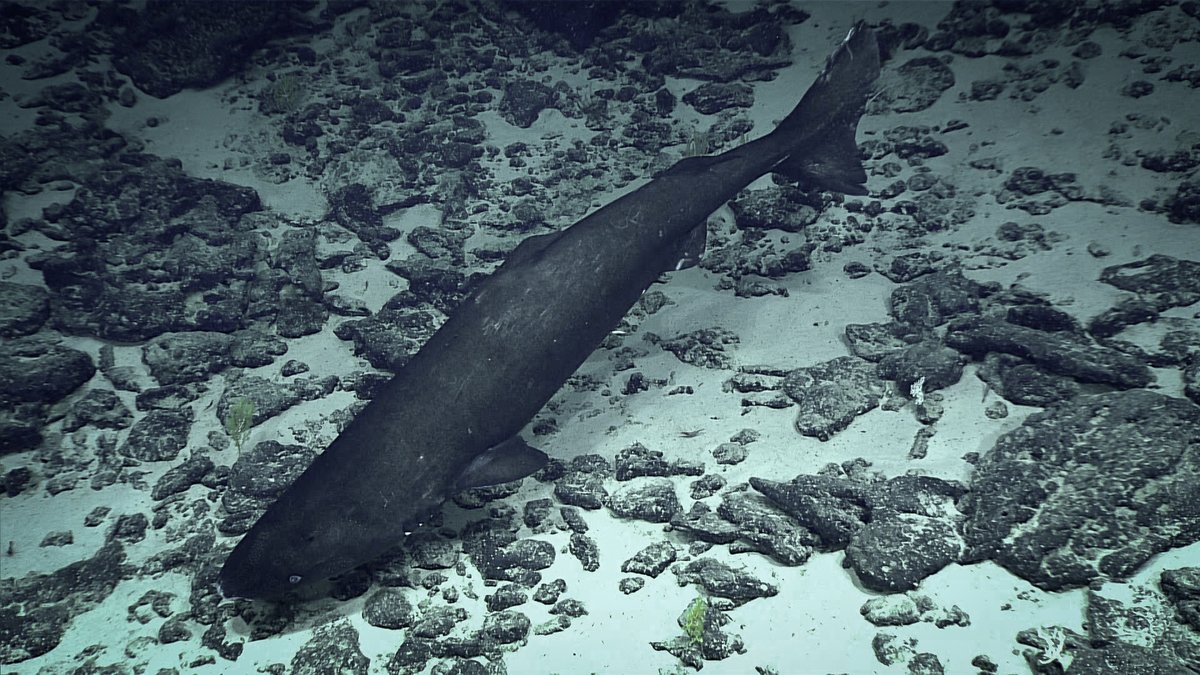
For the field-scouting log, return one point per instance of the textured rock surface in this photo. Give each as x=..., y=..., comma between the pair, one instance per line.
x=1091, y=488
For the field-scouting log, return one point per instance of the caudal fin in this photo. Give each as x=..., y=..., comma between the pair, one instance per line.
x=819, y=132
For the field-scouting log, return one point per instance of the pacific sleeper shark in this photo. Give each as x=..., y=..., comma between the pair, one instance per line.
x=449, y=420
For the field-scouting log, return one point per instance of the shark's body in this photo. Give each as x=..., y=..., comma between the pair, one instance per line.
x=449, y=418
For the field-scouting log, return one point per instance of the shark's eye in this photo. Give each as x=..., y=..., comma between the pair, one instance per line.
x=294, y=579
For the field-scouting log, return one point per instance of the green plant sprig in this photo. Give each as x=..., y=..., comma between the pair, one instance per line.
x=238, y=420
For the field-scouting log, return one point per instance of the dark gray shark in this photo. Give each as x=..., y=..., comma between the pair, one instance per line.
x=450, y=418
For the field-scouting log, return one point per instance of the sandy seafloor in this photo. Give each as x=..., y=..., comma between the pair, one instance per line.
x=1099, y=128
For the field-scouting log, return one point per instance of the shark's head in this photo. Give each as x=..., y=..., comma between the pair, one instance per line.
x=321, y=528
x=277, y=557
x=286, y=550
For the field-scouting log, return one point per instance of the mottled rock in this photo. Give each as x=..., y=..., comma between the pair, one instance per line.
x=723, y=581
x=830, y=395
x=886, y=556
x=651, y=560
x=653, y=500
x=1093, y=487
x=1058, y=352
x=159, y=436
x=388, y=608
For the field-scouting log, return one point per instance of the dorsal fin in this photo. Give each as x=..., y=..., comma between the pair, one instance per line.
x=511, y=460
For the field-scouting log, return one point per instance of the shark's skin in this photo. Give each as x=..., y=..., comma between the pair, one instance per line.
x=513, y=343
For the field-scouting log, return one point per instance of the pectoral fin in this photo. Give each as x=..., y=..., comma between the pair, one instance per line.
x=511, y=460
x=691, y=248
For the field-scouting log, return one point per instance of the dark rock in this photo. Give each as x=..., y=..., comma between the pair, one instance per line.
x=830, y=395
x=884, y=556
x=23, y=309
x=549, y=592
x=333, y=648
x=707, y=486
x=503, y=557
x=653, y=500
x=873, y=341
x=440, y=244
x=702, y=522
x=37, y=371
x=1127, y=312
x=38, y=608
x=579, y=22
x=1024, y=383
x=891, y=610
x=1058, y=352
x=582, y=489
x=63, y=538
x=839, y=511
x=438, y=621
x=271, y=398
x=292, y=367
x=936, y=298
x=774, y=208
x=524, y=100
x=935, y=365
x=389, y=338
x=141, y=246
x=714, y=644
x=24, y=24
x=184, y=358
x=159, y=436
x=388, y=608
x=704, y=348
x=178, y=479
x=585, y=549
x=506, y=627
x=907, y=267
x=1103, y=656
x=1041, y=317
x=537, y=511
x=98, y=408
x=833, y=509
x=1168, y=282
x=257, y=479
x=255, y=349
x=174, y=630
x=353, y=207
x=412, y=656
x=730, y=453
x=1178, y=161
x=637, y=460
x=1078, y=491
x=1184, y=205
x=129, y=529
x=172, y=397
x=921, y=82
x=631, y=585
x=1182, y=588
x=720, y=580
x=297, y=317
x=164, y=49
x=573, y=519
x=713, y=97
x=569, y=607
x=15, y=480
x=430, y=551
x=763, y=528
x=721, y=45
x=508, y=595
x=651, y=560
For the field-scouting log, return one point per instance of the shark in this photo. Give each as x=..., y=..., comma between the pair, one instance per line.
x=450, y=418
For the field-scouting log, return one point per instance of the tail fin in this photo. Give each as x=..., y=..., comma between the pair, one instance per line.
x=820, y=131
